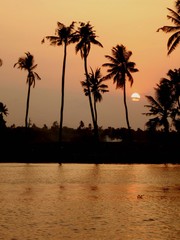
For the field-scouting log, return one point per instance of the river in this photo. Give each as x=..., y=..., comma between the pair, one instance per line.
x=89, y=201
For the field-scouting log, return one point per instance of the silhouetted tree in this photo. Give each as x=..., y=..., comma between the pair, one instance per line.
x=120, y=69
x=161, y=107
x=97, y=86
x=81, y=125
x=3, y=112
x=174, y=39
x=86, y=37
x=64, y=36
x=27, y=63
x=174, y=84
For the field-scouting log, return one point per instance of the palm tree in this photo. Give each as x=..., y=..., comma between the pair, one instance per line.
x=96, y=87
x=174, y=82
x=120, y=69
x=161, y=107
x=3, y=111
x=64, y=36
x=27, y=63
x=174, y=39
x=86, y=36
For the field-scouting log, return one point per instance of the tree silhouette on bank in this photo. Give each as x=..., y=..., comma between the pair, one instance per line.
x=65, y=36
x=162, y=107
x=86, y=36
x=173, y=81
x=174, y=39
x=27, y=63
x=120, y=69
x=3, y=112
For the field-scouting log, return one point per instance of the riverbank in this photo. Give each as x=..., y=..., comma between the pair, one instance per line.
x=103, y=152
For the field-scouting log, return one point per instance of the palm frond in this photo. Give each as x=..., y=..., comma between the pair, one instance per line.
x=3, y=109
x=174, y=17
x=173, y=42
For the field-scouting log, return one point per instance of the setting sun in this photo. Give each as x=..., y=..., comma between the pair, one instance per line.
x=135, y=97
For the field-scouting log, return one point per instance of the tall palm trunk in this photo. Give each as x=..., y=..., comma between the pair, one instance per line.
x=90, y=100
x=95, y=110
x=126, y=108
x=27, y=105
x=62, y=93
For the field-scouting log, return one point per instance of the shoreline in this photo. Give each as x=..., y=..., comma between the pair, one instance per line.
x=101, y=153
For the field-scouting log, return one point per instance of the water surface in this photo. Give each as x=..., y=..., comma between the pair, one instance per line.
x=88, y=201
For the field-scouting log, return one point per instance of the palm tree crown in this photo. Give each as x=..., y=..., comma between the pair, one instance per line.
x=86, y=36
x=97, y=86
x=174, y=82
x=27, y=63
x=63, y=35
x=3, y=111
x=162, y=107
x=165, y=105
x=119, y=66
x=174, y=39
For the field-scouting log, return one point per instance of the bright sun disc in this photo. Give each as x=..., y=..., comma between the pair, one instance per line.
x=135, y=97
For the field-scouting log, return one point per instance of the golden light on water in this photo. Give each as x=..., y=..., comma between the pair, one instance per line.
x=135, y=97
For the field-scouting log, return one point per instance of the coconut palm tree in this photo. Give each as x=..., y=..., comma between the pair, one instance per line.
x=174, y=39
x=174, y=81
x=27, y=63
x=120, y=69
x=64, y=35
x=3, y=112
x=97, y=86
x=161, y=107
x=86, y=36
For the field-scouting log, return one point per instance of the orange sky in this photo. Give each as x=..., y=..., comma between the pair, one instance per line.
x=132, y=23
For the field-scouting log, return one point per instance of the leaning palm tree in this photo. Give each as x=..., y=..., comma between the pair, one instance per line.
x=86, y=36
x=174, y=39
x=97, y=87
x=27, y=63
x=64, y=36
x=120, y=69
